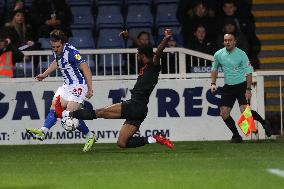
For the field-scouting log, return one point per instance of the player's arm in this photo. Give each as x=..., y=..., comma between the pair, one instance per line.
x=168, y=33
x=213, y=86
x=248, y=89
x=53, y=66
x=248, y=70
x=88, y=77
x=214, y=74
x=249, y=81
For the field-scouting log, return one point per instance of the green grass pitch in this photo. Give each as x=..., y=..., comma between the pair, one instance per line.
x=192, y=165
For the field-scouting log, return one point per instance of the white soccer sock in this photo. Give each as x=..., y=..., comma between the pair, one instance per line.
x=89, y=135
x=65, y=113
x=151, y=140
x=44, y=130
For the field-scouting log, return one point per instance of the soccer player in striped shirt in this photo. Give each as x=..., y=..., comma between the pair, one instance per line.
x=77, y=85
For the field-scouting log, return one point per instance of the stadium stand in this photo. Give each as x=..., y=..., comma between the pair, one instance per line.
x=2, y=4
x=2, y=11
x=10, y=3
x=269, y=23
x=137, y=2
x=166, y=15
x=79, y=2
x=78, y=32
x=270, y=31
x=83, y=17
x=156, y=2
x=108, y=2
x=109, y=16
x=109, y=39
x=44, y=43
x=139, y=16
x=82, y=42
x=23, y=69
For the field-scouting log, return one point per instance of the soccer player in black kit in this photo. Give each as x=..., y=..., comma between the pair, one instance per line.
x=135, y=109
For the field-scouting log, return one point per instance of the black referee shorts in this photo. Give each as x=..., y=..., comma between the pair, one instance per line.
x=134, y=112
x=231, y=93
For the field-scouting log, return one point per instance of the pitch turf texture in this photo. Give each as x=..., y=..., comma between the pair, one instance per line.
x=193, y=165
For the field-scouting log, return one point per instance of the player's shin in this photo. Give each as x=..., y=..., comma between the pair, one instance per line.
x=134, y=142
x=83, y=128
x=50, y=120
x=84, y=114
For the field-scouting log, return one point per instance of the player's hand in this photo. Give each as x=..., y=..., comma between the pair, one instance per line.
x=90, y=93
x=168, y=33
x=30, y=43
x=40, y=77
x=8, y=41
x=248, y=95
x=213, y=88
x=124, y=34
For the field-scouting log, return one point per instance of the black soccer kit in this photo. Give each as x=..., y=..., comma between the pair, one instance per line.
x=231, y=93
x=135, y=110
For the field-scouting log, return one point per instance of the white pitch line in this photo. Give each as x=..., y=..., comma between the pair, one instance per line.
x=278, y=172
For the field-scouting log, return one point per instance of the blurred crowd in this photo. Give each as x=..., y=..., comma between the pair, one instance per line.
x=202, y=25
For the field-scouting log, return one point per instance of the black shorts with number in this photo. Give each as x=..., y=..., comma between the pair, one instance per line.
x=232, y=92
x=134, y=112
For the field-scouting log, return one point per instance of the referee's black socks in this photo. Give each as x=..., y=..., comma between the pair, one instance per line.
x=231, y=125
x=257, y=117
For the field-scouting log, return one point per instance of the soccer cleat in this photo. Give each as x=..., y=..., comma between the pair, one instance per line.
x=37, y=133
x=163, y=140
x=267, y=128
x=236, y=139
x=58, y=108
x=90, y=142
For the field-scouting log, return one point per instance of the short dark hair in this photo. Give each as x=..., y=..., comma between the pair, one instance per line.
x=142, y=33
x=18, y=11
x=229, y=2
x=199, y=26
x=147, y=50
x=58, y=35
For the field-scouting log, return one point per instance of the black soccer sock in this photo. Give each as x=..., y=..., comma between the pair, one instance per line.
x=84, y=114
x=257, y=117
x=231, y=125
x=134, y=142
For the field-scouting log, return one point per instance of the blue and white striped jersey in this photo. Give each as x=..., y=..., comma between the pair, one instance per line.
x=68, y=63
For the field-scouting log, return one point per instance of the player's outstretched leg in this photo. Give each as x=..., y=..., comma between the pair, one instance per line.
x=126, y=139
x=134, y=142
